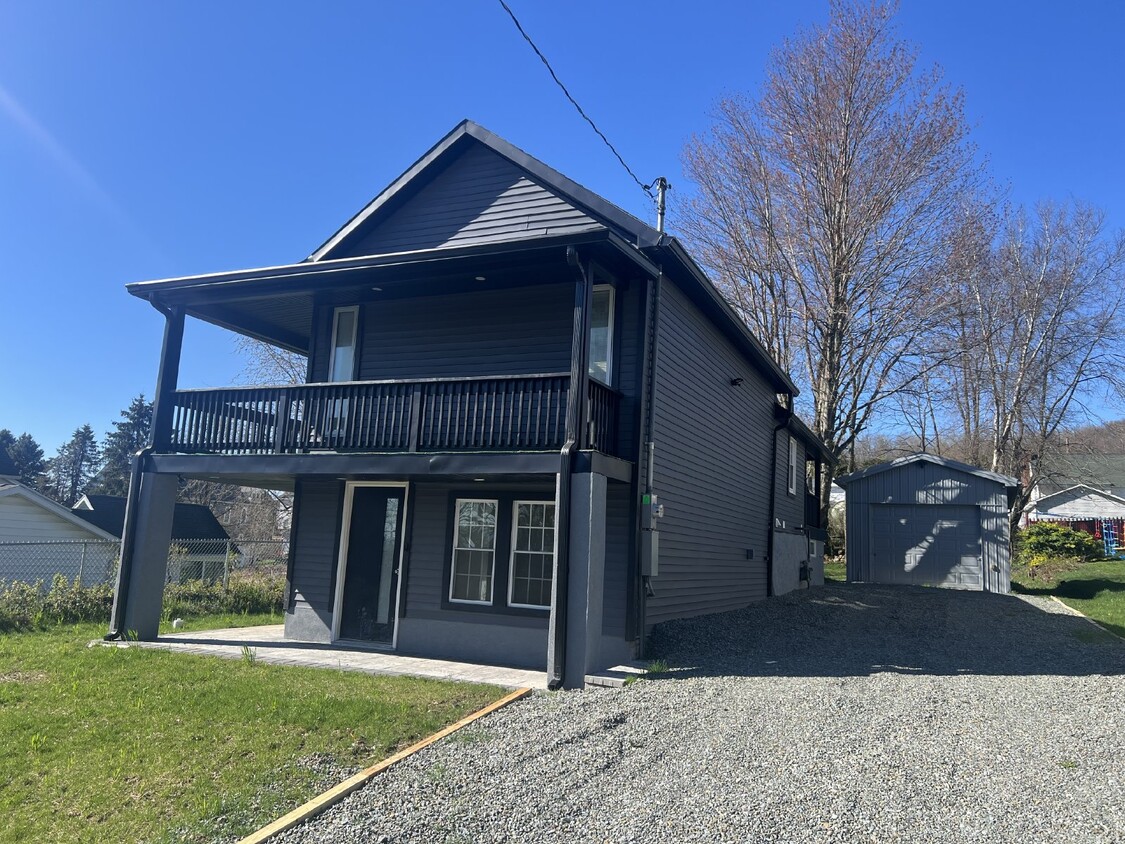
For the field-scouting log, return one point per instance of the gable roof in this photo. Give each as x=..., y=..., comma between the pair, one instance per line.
x=1083, y=489
x=924, y=457
x=581, y=215
x=54, y=508
x=189, y=521
x=594, y=210
x=1062, y=471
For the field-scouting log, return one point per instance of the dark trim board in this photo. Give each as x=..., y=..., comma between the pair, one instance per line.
x=355, y=466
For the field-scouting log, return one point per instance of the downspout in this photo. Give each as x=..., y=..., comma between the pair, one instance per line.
x=129, y=528
x=773, y=498
x=559, y=594
x=646, y=454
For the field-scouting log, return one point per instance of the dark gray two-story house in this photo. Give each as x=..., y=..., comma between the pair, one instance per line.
x=531, y=428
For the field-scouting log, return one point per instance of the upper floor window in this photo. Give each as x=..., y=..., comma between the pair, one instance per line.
x=792, y=466
x=345, y=325
x=601, y=334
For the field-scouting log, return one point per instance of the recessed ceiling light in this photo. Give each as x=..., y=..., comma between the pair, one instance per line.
x=478, y=480
x=377, y=289
x=480, y=278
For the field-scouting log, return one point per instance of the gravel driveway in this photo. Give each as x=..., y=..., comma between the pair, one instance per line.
x=848, y=714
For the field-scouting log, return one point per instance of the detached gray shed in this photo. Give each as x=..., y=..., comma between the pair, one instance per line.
x=928, y=521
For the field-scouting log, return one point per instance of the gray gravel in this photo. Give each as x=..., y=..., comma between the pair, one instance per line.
x=848, y=714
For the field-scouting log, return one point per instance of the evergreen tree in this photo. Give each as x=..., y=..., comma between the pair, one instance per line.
x=129, y=435
x=72, y=469
x=27, y=454
x=6, y=439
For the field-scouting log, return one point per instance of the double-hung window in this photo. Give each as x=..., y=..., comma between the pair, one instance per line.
x=601, y=334
x=533, y=554
x=474, y=551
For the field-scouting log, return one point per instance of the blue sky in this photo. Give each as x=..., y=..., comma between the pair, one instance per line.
x=144, y=140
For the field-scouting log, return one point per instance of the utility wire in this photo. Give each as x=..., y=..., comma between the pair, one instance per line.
x=646, y=188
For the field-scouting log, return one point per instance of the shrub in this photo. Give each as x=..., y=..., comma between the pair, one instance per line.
x=1044, y=568
x=27, y=606
x=1056, y=541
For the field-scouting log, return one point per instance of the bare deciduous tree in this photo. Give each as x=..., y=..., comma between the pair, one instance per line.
x=265, y=363
x=1040, y=335
x=824, y=207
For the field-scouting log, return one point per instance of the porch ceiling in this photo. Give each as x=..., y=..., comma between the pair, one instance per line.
x=276, y=304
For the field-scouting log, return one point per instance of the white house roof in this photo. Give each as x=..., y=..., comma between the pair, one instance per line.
x=1078, y=502
x=55, y=509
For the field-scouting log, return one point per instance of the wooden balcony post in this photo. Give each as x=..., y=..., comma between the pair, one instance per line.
x=415, y=416
x=166, y=377
x=281, y=424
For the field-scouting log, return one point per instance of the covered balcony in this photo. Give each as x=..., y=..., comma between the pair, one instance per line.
x=497, y=413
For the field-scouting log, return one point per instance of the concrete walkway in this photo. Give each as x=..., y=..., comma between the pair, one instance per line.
x=269, y=645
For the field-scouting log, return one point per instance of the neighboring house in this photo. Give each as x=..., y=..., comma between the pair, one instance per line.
x=1084, y=508
x=40, y=538
x=200, y=544
x=513, y=386
x=1104, y=472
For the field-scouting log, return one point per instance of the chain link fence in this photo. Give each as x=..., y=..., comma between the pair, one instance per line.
x=94, y=562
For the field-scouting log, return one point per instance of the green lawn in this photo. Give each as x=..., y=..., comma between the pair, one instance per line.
x=107, y=744
x=1096, y=589
x=836, y=571
x=216, y=622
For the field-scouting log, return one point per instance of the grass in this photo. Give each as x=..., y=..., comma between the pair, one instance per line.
x=108, y=744
x=222, y=620
x=1096, y=589
x=836, y=570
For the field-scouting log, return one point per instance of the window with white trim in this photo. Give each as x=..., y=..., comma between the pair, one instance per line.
x=474, y=551
x=792, y=465
x=601, y=334
x=533, y=554
x=345, y=324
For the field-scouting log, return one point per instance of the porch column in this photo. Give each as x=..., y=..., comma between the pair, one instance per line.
x=147, y=559
x=167, y=377
x=585, y=580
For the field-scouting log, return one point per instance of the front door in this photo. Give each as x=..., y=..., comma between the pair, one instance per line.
x=368, y=601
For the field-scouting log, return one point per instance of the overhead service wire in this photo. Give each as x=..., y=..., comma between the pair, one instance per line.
x=646, y=188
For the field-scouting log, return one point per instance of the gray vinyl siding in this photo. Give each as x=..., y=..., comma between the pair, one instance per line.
x=521, y=331
x=618, y=542
x=315, y=546
x=923, y=482
x=790, y=509
x=629, y=342
x=430, y=551
x=712, y=467
x=479, y=198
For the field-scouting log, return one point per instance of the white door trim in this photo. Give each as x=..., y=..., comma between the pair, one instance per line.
x=342, y=561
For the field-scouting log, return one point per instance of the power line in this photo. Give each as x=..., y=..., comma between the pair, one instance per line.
x=646, y=188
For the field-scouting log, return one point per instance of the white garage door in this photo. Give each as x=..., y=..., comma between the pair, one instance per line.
x=927, y=545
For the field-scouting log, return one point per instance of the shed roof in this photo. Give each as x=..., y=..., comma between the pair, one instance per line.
x=190, y=521
x=924, y=457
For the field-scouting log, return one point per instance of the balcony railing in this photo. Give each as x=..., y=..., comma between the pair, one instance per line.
x=503, y=413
